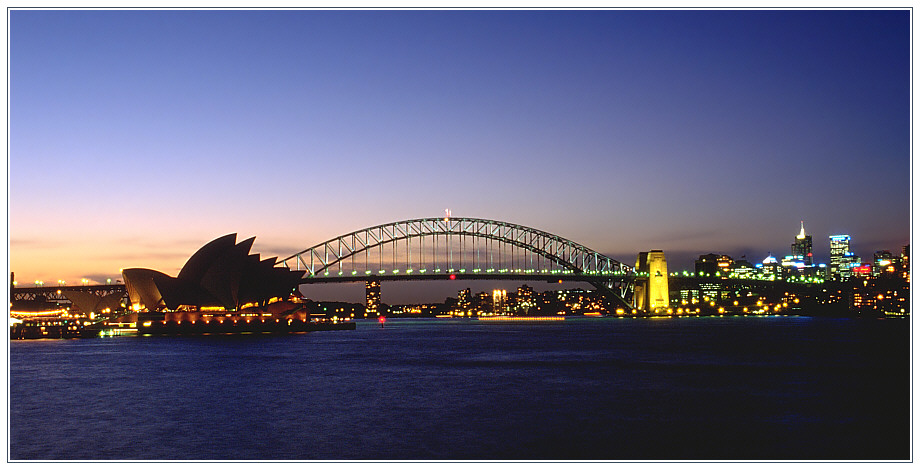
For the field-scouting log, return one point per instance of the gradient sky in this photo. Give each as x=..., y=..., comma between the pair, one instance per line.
x=138, y=136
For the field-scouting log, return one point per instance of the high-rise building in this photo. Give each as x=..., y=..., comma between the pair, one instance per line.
x=372, y=289
x=840, y=246
x=801, y=248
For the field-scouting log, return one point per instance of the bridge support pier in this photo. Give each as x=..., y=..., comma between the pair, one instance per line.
x=651, y=290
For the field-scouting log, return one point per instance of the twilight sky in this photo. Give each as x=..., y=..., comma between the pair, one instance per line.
x=138, y=136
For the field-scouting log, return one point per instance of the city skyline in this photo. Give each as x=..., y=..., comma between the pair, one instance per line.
x=136, y=136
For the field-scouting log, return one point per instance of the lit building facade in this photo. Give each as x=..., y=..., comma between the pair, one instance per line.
x=499, y=301
x=464, y=300
x=372, y=291
x=840, y=247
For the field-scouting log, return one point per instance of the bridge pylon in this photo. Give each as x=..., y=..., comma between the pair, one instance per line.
x=651, y=289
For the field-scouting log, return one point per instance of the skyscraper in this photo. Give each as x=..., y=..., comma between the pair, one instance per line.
x=840, y=246
x=801, y=248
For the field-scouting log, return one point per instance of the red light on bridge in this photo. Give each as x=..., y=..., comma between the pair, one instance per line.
x=453, y=276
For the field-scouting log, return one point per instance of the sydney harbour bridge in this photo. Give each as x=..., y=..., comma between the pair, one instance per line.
x=461, y=248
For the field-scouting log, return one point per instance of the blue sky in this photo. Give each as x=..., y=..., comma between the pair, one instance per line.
x=137, y=136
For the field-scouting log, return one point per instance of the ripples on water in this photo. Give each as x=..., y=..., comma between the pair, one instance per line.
x=600, y=388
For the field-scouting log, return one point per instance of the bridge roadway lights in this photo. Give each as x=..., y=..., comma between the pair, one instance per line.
x=549, y=278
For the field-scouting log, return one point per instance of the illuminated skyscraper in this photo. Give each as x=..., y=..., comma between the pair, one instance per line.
x=801, y=248
x=840, y=246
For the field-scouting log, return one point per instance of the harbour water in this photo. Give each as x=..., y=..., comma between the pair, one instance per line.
x=709, y=388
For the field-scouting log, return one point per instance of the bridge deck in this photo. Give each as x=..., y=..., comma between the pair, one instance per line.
x=553, y=278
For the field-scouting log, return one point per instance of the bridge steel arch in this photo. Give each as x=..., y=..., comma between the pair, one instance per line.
x=572, y=257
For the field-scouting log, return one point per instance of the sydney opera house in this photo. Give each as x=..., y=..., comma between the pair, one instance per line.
x=221, y=275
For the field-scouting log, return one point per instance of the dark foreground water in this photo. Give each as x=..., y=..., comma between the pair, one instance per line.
x=773, y=388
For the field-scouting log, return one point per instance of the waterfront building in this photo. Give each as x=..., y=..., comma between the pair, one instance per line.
x=372, y=295
x=689, y=296
x=711, y=291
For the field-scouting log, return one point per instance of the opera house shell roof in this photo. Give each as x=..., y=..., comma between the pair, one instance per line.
x=220, y=274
